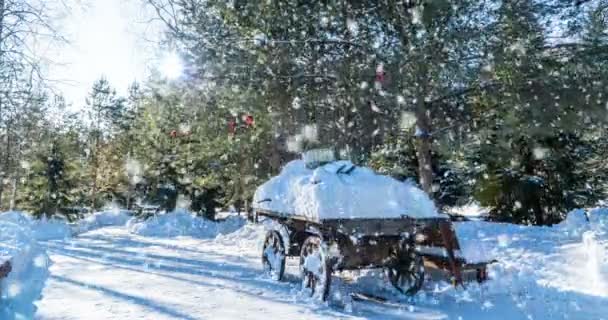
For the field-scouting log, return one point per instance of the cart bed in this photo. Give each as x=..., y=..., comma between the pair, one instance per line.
x=436, y=240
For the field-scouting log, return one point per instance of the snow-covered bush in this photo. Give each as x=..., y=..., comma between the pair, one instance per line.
x=184, y=223
x=29, y=262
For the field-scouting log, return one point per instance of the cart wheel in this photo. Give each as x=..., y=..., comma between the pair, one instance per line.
x=406, y=273
x=315, y=268
x=273, y=255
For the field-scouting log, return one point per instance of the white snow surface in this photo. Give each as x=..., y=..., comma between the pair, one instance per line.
x=558, y=272
x=325, y=193
x=47, y=229
x=471, y=210
x=24, y=283
x=112, y=217
x=183, y=223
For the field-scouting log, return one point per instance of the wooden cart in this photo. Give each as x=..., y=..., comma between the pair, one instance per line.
x=405, y=247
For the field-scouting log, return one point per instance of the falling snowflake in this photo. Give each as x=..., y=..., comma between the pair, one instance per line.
x=375, y=107
x=417, y=13
x=296, y=103
x=352, y=26
x=540, y=153
x=260, y=39
x=408, y=119
x=310, y=133
x=400, y=100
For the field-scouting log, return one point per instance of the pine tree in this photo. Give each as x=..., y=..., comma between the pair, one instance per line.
x=106, y=112
x=532, y=143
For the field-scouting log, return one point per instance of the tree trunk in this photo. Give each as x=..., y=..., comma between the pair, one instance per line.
x=94, y=190
x=7, y=159
x=129, y=193
x=95, y=174
x=423, y=148
x=2, y=176
x=14, y=193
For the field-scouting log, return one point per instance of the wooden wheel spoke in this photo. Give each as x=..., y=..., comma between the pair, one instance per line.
x=273, y=255
x=406, y=274
x=318, y=280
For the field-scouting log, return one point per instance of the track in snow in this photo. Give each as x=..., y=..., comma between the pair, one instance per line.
x=112, y=274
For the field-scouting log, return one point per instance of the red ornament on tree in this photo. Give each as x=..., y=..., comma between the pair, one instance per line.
x=381, y=76
x=249, y=120
x=231, y=127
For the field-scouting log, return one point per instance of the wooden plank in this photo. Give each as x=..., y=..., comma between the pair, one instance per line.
x=279, y=215
x=361, y=225
x=379, y=226
x=451, y=244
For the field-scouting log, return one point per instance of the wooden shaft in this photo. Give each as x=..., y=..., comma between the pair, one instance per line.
x=451, y=244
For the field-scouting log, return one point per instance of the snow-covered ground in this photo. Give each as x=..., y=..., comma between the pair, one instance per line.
x=114, y=273
x=183, y=223
x=29, y=264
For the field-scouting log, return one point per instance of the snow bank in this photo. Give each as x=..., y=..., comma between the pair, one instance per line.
x=579, y=221
x=49, y=229
x=486, y=240
x=114, y=217
x=339, y=190
x=184, y=223
x=24, y=283
x=482, y=241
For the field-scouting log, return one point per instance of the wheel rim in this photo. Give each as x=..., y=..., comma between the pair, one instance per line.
x=314, y=269
x=273, y=256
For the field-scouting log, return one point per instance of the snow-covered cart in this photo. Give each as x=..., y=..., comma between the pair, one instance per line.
x=338, y=216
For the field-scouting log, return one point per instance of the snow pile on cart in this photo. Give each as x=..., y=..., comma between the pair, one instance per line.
x=341, y=190
x=28, y=267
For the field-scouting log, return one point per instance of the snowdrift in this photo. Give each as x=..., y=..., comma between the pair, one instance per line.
x=115, y=217
x=580, y=221
x=29, y=263
x=50, y=229
x=340, y=190
x=480, y=239
x=540, y=273
x=184, y=223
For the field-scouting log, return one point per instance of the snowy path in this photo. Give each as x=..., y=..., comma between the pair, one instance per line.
x=112, y=274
